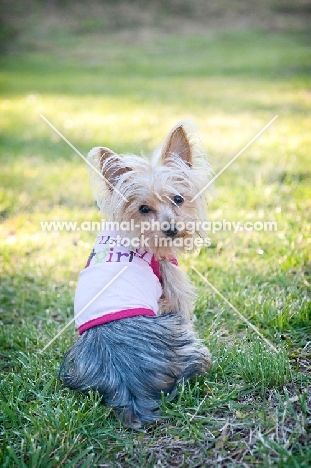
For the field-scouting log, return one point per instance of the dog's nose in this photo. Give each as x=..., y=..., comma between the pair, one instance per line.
x=170, y=231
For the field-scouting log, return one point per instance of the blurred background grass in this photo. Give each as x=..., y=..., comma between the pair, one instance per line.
x=121, y=74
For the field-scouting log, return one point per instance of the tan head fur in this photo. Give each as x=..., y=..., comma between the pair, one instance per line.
x=157, y=193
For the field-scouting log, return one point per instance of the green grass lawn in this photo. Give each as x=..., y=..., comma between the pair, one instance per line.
x=253, y=407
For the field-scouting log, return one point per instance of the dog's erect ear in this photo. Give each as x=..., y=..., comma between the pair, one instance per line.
x=113, y=169
x=177, y=145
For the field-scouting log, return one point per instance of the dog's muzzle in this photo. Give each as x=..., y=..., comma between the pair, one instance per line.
x=170, y=231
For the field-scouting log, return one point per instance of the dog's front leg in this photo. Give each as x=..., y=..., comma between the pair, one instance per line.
x=178, y=293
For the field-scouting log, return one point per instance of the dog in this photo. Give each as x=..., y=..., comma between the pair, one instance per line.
x=133, y=303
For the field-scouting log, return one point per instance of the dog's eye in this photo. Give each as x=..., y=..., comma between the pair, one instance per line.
x=144, y=209
x=178, y=199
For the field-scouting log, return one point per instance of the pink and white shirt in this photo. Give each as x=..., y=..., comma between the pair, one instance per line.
x=136, y=291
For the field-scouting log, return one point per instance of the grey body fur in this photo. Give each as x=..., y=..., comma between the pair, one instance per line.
x=130, y=362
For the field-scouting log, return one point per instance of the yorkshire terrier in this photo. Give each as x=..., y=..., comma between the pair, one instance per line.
x=133, y=304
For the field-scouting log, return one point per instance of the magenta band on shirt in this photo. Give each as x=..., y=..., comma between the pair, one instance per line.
x=156, y=266
x=121, y=314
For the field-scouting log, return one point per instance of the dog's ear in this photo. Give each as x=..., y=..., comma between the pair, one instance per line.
x=111, y=166
x=177, y=145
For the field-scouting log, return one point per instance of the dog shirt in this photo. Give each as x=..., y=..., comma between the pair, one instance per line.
x=105, y=292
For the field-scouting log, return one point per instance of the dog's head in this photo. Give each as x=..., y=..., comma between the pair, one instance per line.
x=156, y=202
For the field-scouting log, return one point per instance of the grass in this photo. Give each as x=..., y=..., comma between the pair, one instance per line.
x=253, y=408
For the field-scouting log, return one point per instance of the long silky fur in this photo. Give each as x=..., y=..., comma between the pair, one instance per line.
x=130, y=362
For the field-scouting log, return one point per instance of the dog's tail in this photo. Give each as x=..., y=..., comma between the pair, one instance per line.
x=130, y=362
